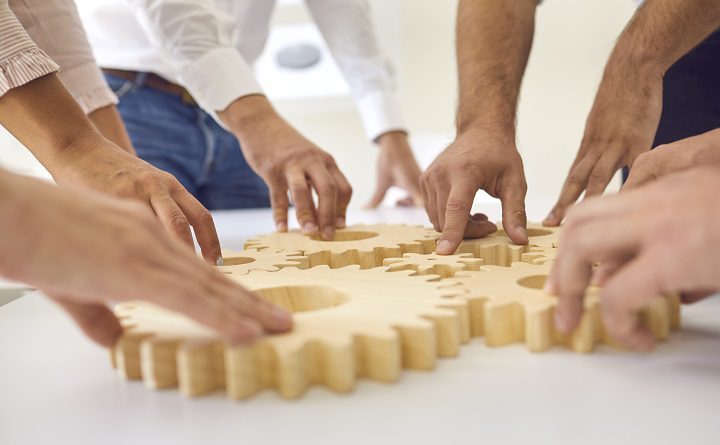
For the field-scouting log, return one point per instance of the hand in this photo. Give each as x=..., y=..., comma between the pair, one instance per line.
x=620, y=127
x=286, y=160
x=476, y=160
x=99, y=165
x=84, y=249
x=696, y=151
x=657, y=239
x=397, y=167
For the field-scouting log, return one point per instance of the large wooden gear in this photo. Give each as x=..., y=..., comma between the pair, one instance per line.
x=365, y=245
x=348, y=323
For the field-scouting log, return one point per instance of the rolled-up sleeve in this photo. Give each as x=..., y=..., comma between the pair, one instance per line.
x=56, y=28
x=198, y=39
x=347, y=28
x=21, y=61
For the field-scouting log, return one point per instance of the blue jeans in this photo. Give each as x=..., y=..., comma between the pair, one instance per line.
x=186, y=142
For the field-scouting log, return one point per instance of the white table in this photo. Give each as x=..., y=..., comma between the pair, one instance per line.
x=56, y=387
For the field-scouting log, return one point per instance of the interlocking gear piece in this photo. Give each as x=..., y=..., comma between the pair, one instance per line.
x=539, y=255
x=347, y=323
x=366, y=245
x=241, y=263
x=434, y=264
x=498, y=250
x=507, y=305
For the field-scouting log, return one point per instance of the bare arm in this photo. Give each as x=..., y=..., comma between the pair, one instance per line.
x=108, y=122
x=628, y=105
x=493, y=44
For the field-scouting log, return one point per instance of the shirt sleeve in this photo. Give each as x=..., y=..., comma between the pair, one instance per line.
x=198, y=40
x=56, y=28
x=21, y=61
x=347, y=28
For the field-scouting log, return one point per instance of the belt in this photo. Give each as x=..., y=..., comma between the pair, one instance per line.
x=156, y=82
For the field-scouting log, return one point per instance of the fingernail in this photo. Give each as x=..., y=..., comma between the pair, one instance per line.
x=281, y=226
x=219, y=261
x=310, y=228
x=328, y=233
x=522, y=232
x=340, y=222
x=560, y=322
x=444, y=246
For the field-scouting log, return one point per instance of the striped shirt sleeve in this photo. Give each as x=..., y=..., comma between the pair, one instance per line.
x=21, y=61
x=56, y=28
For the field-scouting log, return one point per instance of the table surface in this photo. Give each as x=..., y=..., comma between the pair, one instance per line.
x=56, y=386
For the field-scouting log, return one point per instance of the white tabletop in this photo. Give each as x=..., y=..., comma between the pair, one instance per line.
x=55, y=386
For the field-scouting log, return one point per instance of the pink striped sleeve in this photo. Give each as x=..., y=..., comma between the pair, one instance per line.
x=21, y=61
x=56, y=28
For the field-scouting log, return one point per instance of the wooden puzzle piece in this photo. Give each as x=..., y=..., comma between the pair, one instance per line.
x=241, y=263
x=498, y=250
x=365, y=245
x=348, y=323
x=539, y=255
x=508, y=305
x=434, y=264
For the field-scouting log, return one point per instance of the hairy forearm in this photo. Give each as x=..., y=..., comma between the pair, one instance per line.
x=45, y=118
x=493, y=44
x=660, y=33
x=108, y=122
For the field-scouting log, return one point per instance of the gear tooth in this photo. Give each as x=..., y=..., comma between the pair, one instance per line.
x=201, y=367
x=539, y=328
x=158, y=362
x=250, y=369
x=448, y=331
x=379, y=357
x=336, y=361
x=292, y=363
x=674, y=301
x=418, y=343
x=127, y=353
x=504, y=323
x=463, y=311
x=657, y=318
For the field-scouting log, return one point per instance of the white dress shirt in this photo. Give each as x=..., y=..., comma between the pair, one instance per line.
x=209, y=47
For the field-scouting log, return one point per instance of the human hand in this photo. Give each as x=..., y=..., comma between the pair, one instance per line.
x=287, y=160
x=658, y=239
x=97, y=164
x=85, y=249
x=475, y=160
x=397, y=167
x=620, y=127
x=695, y=151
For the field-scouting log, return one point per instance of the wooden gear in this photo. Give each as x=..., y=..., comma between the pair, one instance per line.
x=366, y=245
x=434, y=264
x=347, y=323
x=497, y=249
x=243, y=262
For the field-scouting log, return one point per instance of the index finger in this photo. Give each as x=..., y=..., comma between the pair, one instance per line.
x=203, y=225
x=457, y=213
x=573, y=187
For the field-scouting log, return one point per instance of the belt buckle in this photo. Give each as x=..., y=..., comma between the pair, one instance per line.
x=187, y=98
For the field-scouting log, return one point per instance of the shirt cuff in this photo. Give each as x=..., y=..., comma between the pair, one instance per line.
x=88, y=87
x=218, y=78
x=380, y=113
x=24, y=67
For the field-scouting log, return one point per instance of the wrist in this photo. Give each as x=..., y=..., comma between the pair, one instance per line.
x=495, y=131
x=395, y=139
x=248, y=113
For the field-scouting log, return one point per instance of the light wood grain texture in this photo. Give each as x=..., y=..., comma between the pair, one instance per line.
x=349, y=323
x=365, y=245
x=433, y=264
x=539, y=255
x=498, y=250
x=242, y=262
x=508, y=305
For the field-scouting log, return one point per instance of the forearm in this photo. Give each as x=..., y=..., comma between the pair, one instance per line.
x=108, y=122
x=45, y=118
x=660, y=33
x=493, y=44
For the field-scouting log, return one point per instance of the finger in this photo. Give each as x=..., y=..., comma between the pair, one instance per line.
x=304, y=205
x=442, y=195
x=173, y=219
x=344, y=194
x=431, y=207
x=571, y=191
x=638, y=177
x=280, y=203
x=479, y=229
x=203, y=226
x=97, y=321
x=514, y=216
x=695, y=296
x=457, y=214
x=407, y=201
x=630, y=290
x=326, y=190
x=271, y=318
x=601, y=175
x=378, y=196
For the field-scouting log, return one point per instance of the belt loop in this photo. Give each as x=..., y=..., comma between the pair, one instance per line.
x=140, y=79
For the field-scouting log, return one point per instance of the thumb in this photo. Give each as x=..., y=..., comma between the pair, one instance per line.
x=96, y=320
x=378, y=197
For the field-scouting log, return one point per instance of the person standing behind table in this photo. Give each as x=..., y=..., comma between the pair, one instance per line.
x=192, y=105
x=493, y=44
x=84, y=249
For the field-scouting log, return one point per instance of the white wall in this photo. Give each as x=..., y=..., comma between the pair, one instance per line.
x=573, y=39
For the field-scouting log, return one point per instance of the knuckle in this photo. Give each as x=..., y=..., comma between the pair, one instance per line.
x=456, y=205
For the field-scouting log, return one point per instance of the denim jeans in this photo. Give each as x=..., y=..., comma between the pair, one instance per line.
x=186, y=142
x=691, y=95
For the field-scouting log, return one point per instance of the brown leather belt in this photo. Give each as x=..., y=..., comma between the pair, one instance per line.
x=156, y=82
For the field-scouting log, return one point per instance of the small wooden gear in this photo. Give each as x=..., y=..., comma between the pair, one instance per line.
x=498, y=250
x=539, y=255
x=348, y=323
x=365, y=245
x=241, y=263
x=434, y=264
x=508, y=305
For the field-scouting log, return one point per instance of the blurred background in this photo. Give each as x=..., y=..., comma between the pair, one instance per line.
x=572, y=41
